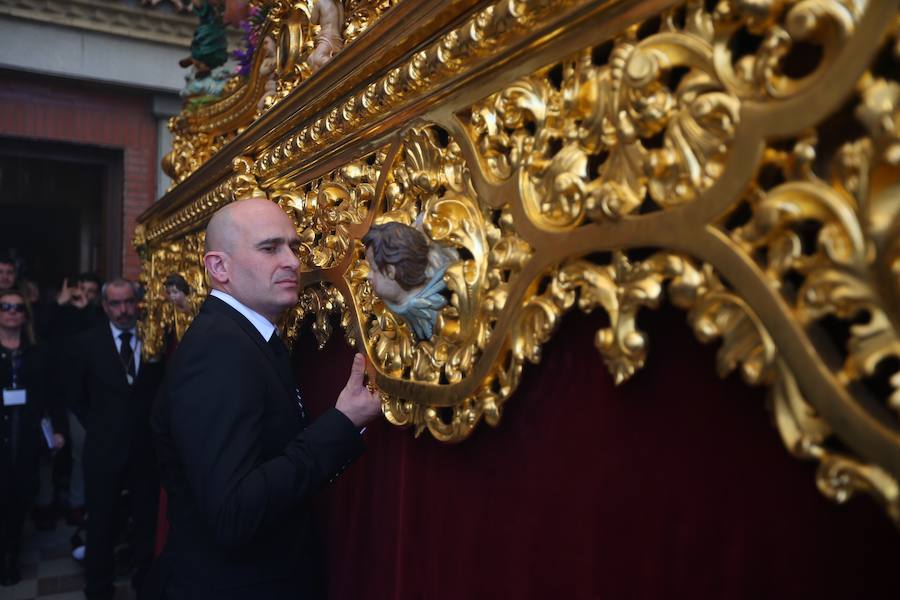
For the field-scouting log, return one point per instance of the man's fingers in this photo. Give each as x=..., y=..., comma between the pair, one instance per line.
x=357, y=371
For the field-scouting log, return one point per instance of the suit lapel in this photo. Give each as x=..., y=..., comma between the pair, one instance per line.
x=281, y=365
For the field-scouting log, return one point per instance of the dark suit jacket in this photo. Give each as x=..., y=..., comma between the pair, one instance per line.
x=21, y=439
x=240, y=466
x=115, y=415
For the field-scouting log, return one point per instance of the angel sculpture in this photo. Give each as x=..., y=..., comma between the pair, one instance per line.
x=406, y=270
x=184, y=303
x=329, y=16
x=177, y=291
x=209, y=47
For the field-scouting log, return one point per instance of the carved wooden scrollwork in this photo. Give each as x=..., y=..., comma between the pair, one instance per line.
x=738, y=159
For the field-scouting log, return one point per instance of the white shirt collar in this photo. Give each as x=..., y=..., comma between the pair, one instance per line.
x=116, y=332
x=135, y=343
x=262, y=324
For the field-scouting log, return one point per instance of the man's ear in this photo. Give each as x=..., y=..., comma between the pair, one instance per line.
x=391, y=271
x=217, y=266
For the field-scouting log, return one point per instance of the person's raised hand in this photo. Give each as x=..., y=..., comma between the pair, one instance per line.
x=356, y=401
x=65, y=294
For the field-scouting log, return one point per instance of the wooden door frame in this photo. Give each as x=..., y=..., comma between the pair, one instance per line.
x=112, y=162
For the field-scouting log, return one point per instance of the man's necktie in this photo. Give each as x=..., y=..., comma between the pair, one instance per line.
x=278, y=347
x=282, y=355
x=126, y=353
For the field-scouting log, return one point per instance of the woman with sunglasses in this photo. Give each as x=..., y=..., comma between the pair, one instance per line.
x=23, y=378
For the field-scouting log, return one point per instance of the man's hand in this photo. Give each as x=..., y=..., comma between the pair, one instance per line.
x=58, y=441
x=71, y=295
x=356, y=401
x=65, y=294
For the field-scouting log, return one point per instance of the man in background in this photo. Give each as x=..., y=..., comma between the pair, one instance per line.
x=110, y=389
x=76, y=310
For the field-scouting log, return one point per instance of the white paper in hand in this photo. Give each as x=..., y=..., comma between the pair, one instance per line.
x=47, y=430
x=14, y=397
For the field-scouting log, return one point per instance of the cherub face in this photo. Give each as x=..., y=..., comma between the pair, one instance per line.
x=176, y=296
x=383, y=282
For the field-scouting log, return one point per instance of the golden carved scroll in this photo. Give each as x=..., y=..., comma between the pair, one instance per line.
x=737, y=159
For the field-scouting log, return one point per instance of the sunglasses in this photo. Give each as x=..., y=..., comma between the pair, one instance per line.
x=9, y=307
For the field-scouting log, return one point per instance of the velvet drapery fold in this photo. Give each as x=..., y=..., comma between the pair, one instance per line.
x=675, y=484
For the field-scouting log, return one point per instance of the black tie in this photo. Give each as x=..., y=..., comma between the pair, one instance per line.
x=282, y=355
x=277, y=345
x=127, y=354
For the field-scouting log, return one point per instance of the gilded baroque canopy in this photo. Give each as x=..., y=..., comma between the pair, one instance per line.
x=736, y=158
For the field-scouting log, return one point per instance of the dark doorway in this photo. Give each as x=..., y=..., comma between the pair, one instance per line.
x=60, y=209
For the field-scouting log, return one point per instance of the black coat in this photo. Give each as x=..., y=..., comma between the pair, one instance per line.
x=240, y=466
x=114, y=414
x=21, y=439
x=62, y=322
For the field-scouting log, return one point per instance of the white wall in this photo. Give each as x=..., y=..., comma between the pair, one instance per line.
x=163, y=108
x=94, y=56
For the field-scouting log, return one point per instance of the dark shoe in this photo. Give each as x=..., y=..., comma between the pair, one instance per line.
x=76, y=540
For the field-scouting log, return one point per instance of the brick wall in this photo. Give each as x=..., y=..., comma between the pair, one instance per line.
x=42, y=108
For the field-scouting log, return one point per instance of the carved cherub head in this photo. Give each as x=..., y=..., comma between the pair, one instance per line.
x=406, y=271
x=178, y=290
x=398, y=258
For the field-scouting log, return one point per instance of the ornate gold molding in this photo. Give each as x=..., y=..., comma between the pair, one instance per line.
x=281, y=62
x=739, y=160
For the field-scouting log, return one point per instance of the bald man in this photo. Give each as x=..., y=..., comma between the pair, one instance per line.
x=238, y=457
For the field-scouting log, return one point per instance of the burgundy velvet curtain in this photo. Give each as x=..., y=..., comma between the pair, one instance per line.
x=673, y=485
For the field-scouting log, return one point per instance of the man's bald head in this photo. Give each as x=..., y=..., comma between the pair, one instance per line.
x=226, y=226
x=251, y=253
x=221, y=230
